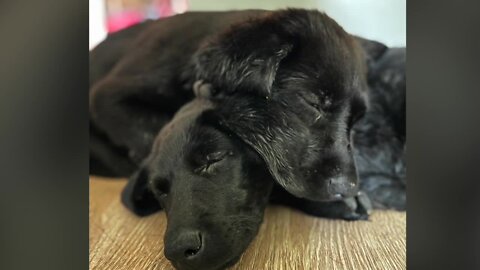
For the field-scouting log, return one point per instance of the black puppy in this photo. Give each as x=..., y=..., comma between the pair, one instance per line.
x=277, y=96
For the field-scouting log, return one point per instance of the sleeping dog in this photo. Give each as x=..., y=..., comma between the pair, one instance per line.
x=215, y=114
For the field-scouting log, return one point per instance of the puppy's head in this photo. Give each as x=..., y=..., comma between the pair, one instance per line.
x=213, y=187
x=292, y=84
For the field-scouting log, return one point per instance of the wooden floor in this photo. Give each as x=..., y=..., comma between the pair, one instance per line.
x=287, y=239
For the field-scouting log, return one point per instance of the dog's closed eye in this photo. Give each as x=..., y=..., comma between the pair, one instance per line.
x=314, y=103
x=211, y=161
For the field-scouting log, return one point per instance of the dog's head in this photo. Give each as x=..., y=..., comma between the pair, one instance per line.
x=291, y=85
x=276, y=101
x=213, y=187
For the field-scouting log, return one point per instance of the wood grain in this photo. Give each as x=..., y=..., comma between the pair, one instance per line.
x=287, y=240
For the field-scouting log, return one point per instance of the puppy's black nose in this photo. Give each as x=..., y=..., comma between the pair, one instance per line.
x=185, y=245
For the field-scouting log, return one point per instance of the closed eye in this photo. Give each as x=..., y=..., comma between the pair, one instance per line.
x=212, y=160
x=313, y=102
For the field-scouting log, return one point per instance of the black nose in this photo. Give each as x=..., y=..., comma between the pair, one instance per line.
x=185, y=245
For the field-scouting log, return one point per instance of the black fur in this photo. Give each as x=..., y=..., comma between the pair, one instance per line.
x=380, y=138
x=220, y=113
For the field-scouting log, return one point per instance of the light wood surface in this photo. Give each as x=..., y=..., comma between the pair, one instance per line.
x=288, y=239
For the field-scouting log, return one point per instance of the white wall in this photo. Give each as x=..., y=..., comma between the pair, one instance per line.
x=97, y=28
x=382, y=20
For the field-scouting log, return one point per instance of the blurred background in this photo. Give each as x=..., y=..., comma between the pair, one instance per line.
x=381, y=20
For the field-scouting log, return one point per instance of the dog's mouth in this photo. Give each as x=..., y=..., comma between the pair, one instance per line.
x=223, y=266
x=230, y=263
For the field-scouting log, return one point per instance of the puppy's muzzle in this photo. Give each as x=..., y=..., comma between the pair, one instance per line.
x=341, y=187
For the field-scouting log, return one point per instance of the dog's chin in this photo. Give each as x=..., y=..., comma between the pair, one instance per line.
x=224, y=264
x=322, y=196
x=231, y=262
x=324, y=193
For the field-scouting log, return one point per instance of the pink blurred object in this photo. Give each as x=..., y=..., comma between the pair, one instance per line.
x=122, y=20
x=156, y=9
x=163, y=8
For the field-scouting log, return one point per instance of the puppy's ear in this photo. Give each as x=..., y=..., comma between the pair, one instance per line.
x=373, y=50
x=245, y=58
x=280, y=142
x=358, y=108
x=137, y=197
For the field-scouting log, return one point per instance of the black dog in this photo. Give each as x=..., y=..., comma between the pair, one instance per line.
x=220, y=113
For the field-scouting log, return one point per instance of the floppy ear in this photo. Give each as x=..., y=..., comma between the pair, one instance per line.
x=245, y=58
x=262, y=125
x=137, y=197
x=358, y=107
x=373, y=50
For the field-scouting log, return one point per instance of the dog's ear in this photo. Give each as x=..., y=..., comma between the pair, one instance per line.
x=245, y=58
x=280, y=142
x=373, y=50
x=137, y=197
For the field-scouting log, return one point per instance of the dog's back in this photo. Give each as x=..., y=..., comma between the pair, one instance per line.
x=159, y=53
x=173, y=39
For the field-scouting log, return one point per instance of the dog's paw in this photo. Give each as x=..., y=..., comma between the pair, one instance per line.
x=358, y=207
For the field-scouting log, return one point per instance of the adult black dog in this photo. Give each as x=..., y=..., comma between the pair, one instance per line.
x=219, y=113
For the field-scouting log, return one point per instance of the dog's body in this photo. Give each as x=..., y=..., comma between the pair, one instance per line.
x=224, y=111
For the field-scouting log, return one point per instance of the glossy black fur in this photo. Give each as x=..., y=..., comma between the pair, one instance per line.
x=218, y=113
x=380, y=137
